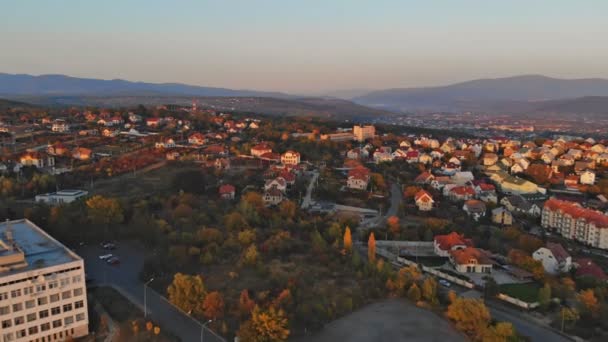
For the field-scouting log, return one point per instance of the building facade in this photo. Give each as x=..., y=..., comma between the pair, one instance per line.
x=572, y=221
x=362, y=133
x=42, y=286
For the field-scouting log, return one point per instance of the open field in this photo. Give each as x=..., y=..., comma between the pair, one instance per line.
x=527, y=292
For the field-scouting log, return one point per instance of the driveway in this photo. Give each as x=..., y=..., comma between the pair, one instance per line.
x=124, y=278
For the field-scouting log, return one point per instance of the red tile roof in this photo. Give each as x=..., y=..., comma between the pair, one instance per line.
x=464, y=256
x=226, y=189
x=577, y=212
x=586, y=267
x=558, y=251
x=423, y=196
x=446, y=242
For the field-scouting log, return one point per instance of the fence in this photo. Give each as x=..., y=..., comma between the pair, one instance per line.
x=517, y=302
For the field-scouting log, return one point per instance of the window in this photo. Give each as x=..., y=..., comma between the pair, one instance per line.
x=53, y=284
x=67, y=307
x=40, y=288
x=57, y=323
x=17, y=307
x=43, y=314
x=55, y=311
x=7, y=324
x=32, y=330
x=19, y=320
x=76, y=279
x=65, y=281
x=43, y=301
x=79, y=304
x=4, y=296
x=30, y=304
x=4, y=310
x=45, y=327
x=54, y=298
x=31, y=317
x=9, y=337
x=80, y=317
x=16, y=293
x=78, y=292
x=66, y=295
x=68, y=320
x=28, y=290
x=20, y=333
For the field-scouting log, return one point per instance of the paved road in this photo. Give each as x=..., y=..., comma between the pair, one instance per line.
x=524, y=326
x=396, y=199
x=124, y=277
x=308, y=198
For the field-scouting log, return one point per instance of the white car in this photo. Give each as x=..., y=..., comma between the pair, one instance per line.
x=445, y=283
x=105, y=256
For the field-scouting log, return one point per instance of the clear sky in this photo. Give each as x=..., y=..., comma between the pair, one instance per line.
x=305, y=45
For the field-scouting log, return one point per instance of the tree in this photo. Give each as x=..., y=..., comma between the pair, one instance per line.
x=213, y=305
x=429, y=290
x=470, y=316
x=544, y=296
x=490, y=287
x=187, y=292
x=270, y=325
x=589, y=302
x=414, y=293
x=570, y=316
x=348, y=241
x=250, y=255
x=411, y=191
x=104, y=211
x=371, y=248
x=246, y=304
x=501, y=332
x=393, y=225
x=246, y=237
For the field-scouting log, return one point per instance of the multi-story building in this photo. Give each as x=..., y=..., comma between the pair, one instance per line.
x=363, y=133
x=42, y=286
x=290, y=158
x=572, y=221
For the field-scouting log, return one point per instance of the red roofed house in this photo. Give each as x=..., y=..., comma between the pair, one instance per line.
x=424, y=200
x=443, y=244
x=554, y=257
x=358, y=178
x=153, y=122
x=196, y=139
x=227, y=192
x=278, y=183
x=587, y=268
x=260, y=149
x=424, y=178
x=471, y=260
x=273, y=196
x=36, y=159
x=572, y=221
x=474, y=208
x=82, y=153
x=461, y=193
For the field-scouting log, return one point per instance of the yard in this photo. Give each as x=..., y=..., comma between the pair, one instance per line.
x=528, y=292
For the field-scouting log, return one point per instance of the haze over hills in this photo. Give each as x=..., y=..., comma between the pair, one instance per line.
x=484, y=94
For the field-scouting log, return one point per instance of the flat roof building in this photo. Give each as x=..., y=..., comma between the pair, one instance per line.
x=61, y=196
x=42, y=286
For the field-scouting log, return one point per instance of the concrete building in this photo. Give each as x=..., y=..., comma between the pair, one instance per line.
x=61, y=196
x=363, y=133
x=42, y=286
x=572, y=221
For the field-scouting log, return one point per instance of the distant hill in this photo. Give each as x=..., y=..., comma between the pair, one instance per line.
x=9, y=104
x=582, y=105
x=57, y=85
x=484, y=93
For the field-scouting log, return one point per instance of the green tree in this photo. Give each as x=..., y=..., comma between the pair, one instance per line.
x=544, y=296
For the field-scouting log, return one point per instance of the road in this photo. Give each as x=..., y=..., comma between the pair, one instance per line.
x=306, y=202
x=124, y=278
x=524, y=325
x=393, y=210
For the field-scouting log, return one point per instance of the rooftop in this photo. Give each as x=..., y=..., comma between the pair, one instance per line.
x=39, y=249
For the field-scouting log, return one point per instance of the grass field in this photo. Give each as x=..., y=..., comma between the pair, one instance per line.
x=527, y=292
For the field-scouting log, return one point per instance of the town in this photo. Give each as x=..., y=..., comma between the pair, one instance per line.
x=187, y=222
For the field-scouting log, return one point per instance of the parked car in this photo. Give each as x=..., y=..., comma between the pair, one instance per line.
x=105, y=256
x=113, y=261
x=109, y=246
x=445, y=283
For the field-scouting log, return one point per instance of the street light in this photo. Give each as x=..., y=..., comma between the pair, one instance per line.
x=203, y=329
x=146, y=296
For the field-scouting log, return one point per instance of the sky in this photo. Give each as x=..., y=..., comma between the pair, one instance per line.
x=304, y=46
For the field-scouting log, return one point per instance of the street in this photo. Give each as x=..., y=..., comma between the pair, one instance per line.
x=124, y=277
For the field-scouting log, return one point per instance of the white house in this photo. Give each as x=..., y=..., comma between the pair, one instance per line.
x=554, y=257
x=587, y=177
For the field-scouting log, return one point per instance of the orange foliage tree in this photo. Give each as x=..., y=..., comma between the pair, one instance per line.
x=213, y=305
x=371, y=248
x=348, y=240
x=393, y=225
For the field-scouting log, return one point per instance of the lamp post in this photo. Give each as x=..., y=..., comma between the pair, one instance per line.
x=146, y=297
x=203, y=329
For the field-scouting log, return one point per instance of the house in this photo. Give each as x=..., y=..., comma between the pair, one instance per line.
x=443, y=244
x=290, y=158
x=554, y=258
x=227, y=191
x=82, y=153
x=587, y=177
x=166, y=143
x=514, y=185
x=474, y=208
x=37, y=159
x=60, y=126
x=571, y=181
x=114, y=121
x=61, y=197
x=424, y=178
x=463, y=177
x=260, y=149
x=490, y=159
x=222, y=163
x=425, y=158
x=358, y=178
x=587, y=268
x=381, y=156
x=277, y=183
x=519, y=205
x=471, y=260
x=502, y=216
x=57, y=149
x=461, y=193
x=357, y=153
x=272, y=196
x=153, y=122
x=197, y=139
x=424, y=200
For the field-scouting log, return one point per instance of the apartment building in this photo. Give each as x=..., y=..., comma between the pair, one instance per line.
x=42, y=286
x=363, y=133
x=290, y=158
x=572, y=221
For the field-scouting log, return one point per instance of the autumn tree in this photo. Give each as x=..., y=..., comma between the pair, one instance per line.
x=104, y=211
x=371, y=248
x=544, y=296
x=246, y=304
x=414, y=293
x=250, y=256
x=270, y=325
x=570, y=316
x=429, y=290
x=411, y=191
x=213, y=305
x=187, y=292
x=470, y=316
x=393, y=225
x=589, y=302
x=500, y=332
x=348, y=241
